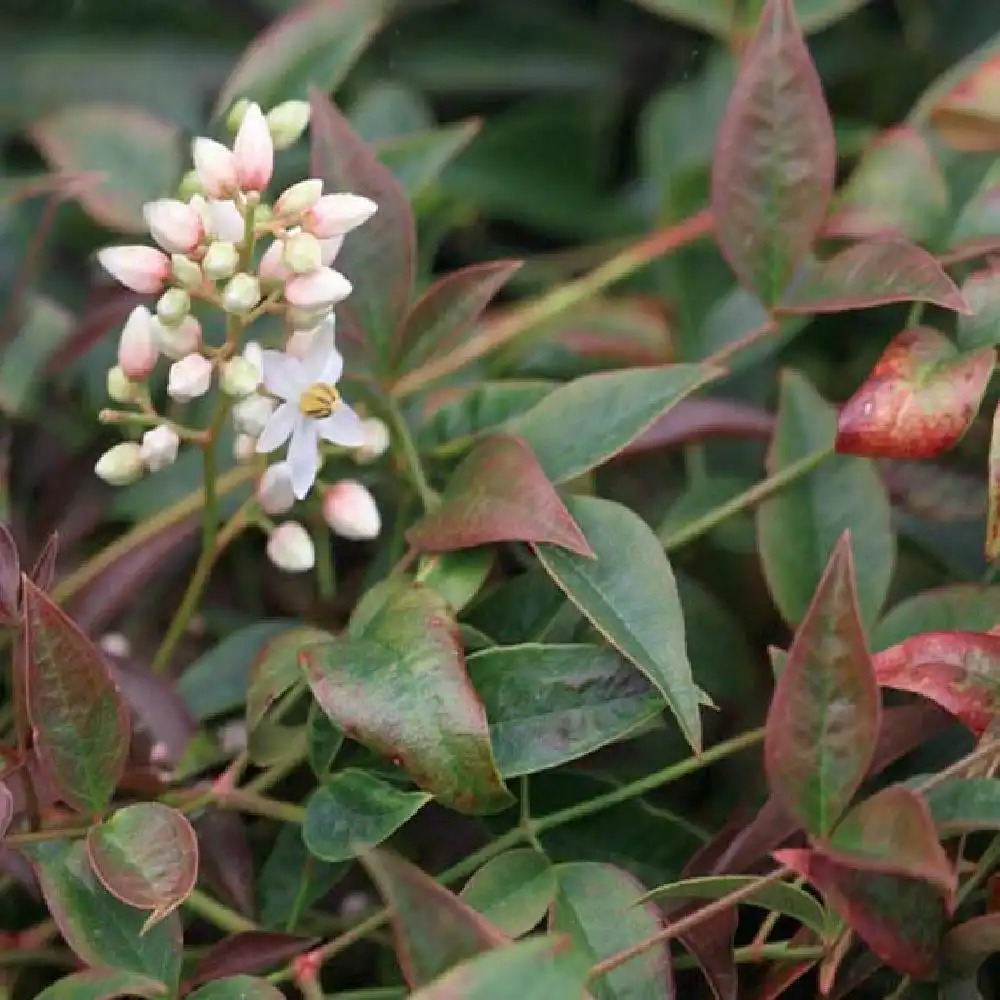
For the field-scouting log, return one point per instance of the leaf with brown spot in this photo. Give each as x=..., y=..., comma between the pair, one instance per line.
x=918, y=401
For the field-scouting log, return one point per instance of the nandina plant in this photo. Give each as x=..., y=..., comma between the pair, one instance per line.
x=480, y=718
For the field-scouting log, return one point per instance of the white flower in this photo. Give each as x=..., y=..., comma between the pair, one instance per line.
x=225, y=222
x=311, y=408
x=274, y=490
x=350, y=510
x=121, y=464
x=250, y=415
x=290, y=548
x=189, y=377
x=299, y=341
x=159, y=447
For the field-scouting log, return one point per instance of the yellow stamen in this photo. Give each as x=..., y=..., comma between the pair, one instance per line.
x=319, y=400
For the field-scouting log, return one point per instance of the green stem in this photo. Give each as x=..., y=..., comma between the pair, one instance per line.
x=748, y=498
x=986, y=863
x=240, y=800
x=37, y=956
x=215, y=913
x=777, y=951
x=326, y=580
x=411, y=457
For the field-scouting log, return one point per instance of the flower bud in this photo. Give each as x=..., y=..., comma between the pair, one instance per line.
x=323, y=287
x=137, y=351
x=303, y=319
x=115, y=645
x=186, y=272
x=173, y=305
x=350, y=510
x=121, y=464
x=251, y=414
x=239, y=378
x=329, y=249
x=121, y=389
x=303, y=253
x=235, y=117
x=274, y=490
x=225, y=221
x=215, y=167
x=159, y=447
x=244, y=448
x=298, y=198
x=190, y=377
x=241, y=294
x=175, y=225
x=273, y=269
x=376, y=442
x=189, y=186
x=220, y=261
x=336, y=214
x=254, y=353
x=253, y=150
x=290, y=548
x=286, y=122
x=143, y=269
x=177, y=342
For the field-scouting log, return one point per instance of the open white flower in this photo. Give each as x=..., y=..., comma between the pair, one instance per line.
x=311, y=408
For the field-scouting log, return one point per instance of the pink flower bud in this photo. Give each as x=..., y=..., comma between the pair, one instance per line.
x=274, y=489
x=336, y=214
x=350, y=510
x=143, y=269
x=215, y=167
x=137, y=352
x=189, y=377
x=225, y=222
x=290, y=548
x=298, y=198
x=329, y=249
x=272, y=265
x=253, y=150
x=173, y=224
x=324, y=287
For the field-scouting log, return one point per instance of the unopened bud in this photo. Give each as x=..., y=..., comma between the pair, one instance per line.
x=220, y=261
x=287, y=121
x=137, y=351
x=159, y=447
x=121, y=389
x=190, y=377
x=250, y=415
x=173, y=305
x=186, y=272
x=350, y=510
x=303, y=253
x=176, y=226
x=116, y=645
x=244, y=448
x=323, y=287
x=225, y=221
x=235, y=117
x=241, y=294
x=274, y=489
x=308, y=319
x=143, y=269
x=272, y=269
x=177, y=342
x=253, y=150
x=329, y=248
x=336, y=214
x=215, y=167
x=299, y=198
x=376, y=440
x=240, y=377
x=121, y=464
x=189, y=186
x=290, y=548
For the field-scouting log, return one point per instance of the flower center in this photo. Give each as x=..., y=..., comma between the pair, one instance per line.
x=319, y=400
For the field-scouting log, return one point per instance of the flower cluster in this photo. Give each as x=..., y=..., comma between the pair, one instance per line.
x=221, y=245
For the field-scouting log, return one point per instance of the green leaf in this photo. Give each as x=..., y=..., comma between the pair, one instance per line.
x=146, y=855
x=512, y=891
x=977, y=228
x=434, y=929
x=722, y=18
x=780, y=897
x=403, y=668
x=79, y=719
x=964, y=805
x=959, y=607
x=457, y=576
x=313, y=46
x=238, y=988
x=102, y=984
x=275, y=664
x=536, y=969
x=134, y=156
x=798, y=528
x=323, y=742
x=551, y=704
x=629, y=595
x=101, y=930
x=584, y=423
x=824, y=716
x=354, y=811
x=418, y=160
x=596, y=905
x=46, y=328
x=981, y=326
x=388, y=109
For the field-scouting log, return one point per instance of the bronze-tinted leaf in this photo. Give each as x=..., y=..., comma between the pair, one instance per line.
x=10, y=578
x=968, y=115
x=248, y=953
x=993, y=486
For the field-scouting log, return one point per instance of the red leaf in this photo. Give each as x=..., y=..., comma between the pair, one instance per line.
x=247, y=954
x=960, y=671
x=498, y=494
x=10, y=578
x=445, y=314
x=773, y=169
x=993, y=485
x=876, y=273
x=824, y=717
x=694, y=419
x=900, y=919
x=44, y=570
x=379, y=258
x=6, y=808
x=226, y=859
x=918, y=401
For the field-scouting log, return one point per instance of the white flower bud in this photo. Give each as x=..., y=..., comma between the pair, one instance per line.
x=286, y=122
x=250, y=415
x=159, y=447
x=329, y=249
x=273, y=269
x=177, y=227
x=121, y=388
x=241, y=294
x=173, y=305
x=244, y=448
x=290, y=548
x=350, y=510
x=308, y=319
x=225, y=222
x=176, y=342
x=303, y=253
x=253, y=150
x=215, y=167
x=186, y=272
x=274, y=489
x=376, y=440
x=336, y=214
x=324, y=287
x=189, y=185
x=116, y=645
x=254, y=353
x=298, y=198
x=121, y=464
x=220, y=261
x=137, y=351
x=235, y=117
x=240, y=377
x=143, y=269
x=190, y=377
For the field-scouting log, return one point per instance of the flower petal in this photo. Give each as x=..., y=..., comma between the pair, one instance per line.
x=303, y=456
x=343, y=427
x=323, y=361
x=276, y=431
x=283, y=375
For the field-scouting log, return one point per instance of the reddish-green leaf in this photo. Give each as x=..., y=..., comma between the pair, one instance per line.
x=512, y=891
x=238, y=988
x=445, y=314
x=918, y=401
x=432, y=927
x=964, y=805
x=498, y=494
x=102, y=984
x=78, y=716
x=772, y=174
x=399, y=685
x=977, y=229
x=993, y=486
x=44, y=571
x=968, y=115
x=958, y=670
x=10, y=578
x=900, y=919
x=248, y=953
x=379, y=258
x=6, y=808
x=967, y=945
x=876, y=273
x=824, y=716
x=981, y=327
x=146, y=855
x=727, y=20
x=137, y=156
